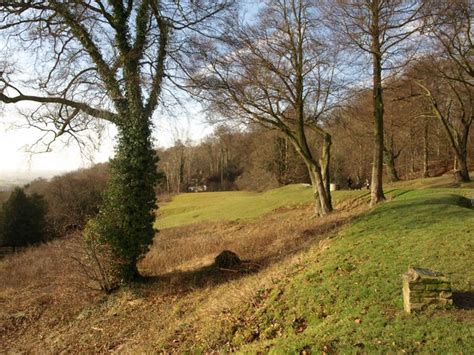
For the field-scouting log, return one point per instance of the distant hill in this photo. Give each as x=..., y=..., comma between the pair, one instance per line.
x=10, y=179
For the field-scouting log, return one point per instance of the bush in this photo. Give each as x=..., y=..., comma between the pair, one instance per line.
x=96, y=262
x=22, y=219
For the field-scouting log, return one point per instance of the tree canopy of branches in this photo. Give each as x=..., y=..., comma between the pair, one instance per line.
x=447, y=74
x=379, y=28
x=98, y=61
x=276, y=72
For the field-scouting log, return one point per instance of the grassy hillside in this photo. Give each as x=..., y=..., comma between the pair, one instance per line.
x=190, y=208
x=309, y=284
x=445, y=181
x=348, y=298
x=234, y=205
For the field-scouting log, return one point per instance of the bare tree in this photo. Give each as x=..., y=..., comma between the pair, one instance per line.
x=278, y=73
x=447, y=75
x=379, y=28
x=449, y=26
x=452, y=103
x=97, y=60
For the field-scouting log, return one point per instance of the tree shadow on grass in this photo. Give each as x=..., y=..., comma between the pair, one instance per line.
x=305, y=236
x=183, y=281
x=179, y=282
x=463, y=299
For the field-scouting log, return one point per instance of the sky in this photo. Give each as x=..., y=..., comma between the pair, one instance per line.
x=14, y=142
x=15, y=158
x=185, y=123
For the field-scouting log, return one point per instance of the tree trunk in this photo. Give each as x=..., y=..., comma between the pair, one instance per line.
x=126, y=218
x=457, y=139
x=425, y=151
x=317, y=203
x=322, y=200
x=325, y=167
x=322, y=196
x=390, y=164
x=222, y=171
x=458, y=143
x=377, y=194
x=462, y=168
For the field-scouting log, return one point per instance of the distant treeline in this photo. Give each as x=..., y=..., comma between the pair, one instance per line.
x=416, y=145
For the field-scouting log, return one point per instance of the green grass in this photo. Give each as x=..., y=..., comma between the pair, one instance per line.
x=445, y=181
x=192, y=208
x=348, y=298
x=233, y=205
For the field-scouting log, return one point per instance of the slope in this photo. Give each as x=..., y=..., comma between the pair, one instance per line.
x=323, y=285
x=347, y=298
x=193, y=208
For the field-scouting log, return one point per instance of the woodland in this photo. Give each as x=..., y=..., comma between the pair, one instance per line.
x=331, y=120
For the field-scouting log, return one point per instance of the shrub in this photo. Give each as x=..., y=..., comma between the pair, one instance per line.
x=96, y=262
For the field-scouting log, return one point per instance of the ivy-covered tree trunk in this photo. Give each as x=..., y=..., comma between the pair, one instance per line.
x=125, y=221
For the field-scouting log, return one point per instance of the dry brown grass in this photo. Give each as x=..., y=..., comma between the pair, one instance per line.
x=279, y=234
x=181, y=301
x=40, y=289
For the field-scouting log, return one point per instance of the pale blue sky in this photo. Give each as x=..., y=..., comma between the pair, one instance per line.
x=184, y=124
x=14, y=141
